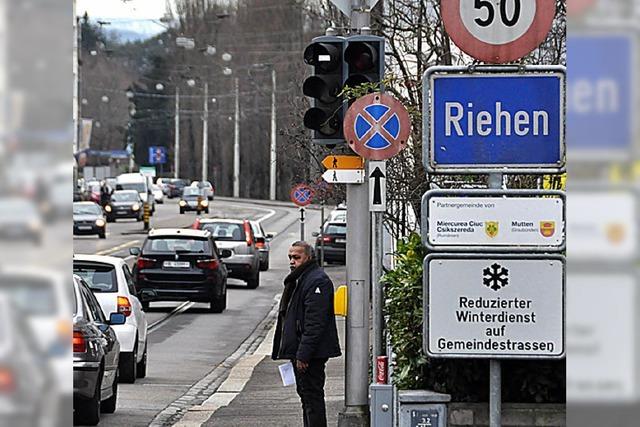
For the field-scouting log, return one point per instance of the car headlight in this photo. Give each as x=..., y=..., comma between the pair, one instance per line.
x=204, y=203
x=107, y=208
x=182, y=203
x=135, y=207
x=35, y=225
x=100, y=222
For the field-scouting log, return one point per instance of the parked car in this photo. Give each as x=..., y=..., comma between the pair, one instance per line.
x=206, y=186
x=337, y=215
x=124, y=204
x=237, y=236
x=181, y=265
x=24, y=388
x=175, y=187
x=193, y=199
x=158, y=194
x=140, y=183
x=43, y=300
x=111, y=281
x=163, y=183
x=20, y=220
x=333, y=242
x=96, y=353
x=263, y=243
x=89, y=219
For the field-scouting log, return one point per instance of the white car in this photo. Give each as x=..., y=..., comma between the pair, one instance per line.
x=158, y=194
x=206, y=186
x=112, y=283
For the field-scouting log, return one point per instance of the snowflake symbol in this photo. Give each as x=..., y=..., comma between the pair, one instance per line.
x=496, y=277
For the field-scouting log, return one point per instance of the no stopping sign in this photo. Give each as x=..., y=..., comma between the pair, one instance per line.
x=498, y=31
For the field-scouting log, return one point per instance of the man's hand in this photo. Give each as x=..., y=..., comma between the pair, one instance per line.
x=302, y=366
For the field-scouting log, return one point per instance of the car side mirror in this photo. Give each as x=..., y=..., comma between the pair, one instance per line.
x=315, y=234
x=225, y=253
x=117, y=319
x=134, y=251
x=270, y=236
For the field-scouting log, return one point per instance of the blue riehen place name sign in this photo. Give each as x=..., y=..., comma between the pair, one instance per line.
x=496, y=121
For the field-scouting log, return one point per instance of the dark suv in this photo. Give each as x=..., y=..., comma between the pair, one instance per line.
x=333, y=242
x=181, y=265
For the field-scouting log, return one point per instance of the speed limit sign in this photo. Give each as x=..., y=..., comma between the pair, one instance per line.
x=498, y=31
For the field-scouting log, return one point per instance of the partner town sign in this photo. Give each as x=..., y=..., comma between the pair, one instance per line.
x=518, y=220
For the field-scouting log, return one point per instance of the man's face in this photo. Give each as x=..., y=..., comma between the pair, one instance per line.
x=297, y=257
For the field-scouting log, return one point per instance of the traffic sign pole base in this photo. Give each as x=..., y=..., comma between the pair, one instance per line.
x=354, y=416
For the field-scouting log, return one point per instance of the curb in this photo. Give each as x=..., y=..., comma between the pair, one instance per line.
x=207, y=386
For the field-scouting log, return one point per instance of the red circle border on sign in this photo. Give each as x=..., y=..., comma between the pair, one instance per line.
x=496, y=54
x=295, y=201
x=396, y=107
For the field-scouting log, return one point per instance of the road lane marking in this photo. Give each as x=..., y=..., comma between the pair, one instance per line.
x=178, y=310
x=117, y=248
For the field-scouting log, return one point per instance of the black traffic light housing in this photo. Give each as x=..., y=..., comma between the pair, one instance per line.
x=364, y=60
x=325, y=55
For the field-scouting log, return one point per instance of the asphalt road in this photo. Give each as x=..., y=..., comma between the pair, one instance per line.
x=187, y=342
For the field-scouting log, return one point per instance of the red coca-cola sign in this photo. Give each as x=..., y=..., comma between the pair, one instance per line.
x=381, y=369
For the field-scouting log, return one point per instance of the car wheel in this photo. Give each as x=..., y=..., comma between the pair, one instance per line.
x=128, y=366
x=110, y=219
x=87, y=412
x=254, y=281
x=109, y=405
x=181, y=211
x=145, y=305
x=218, y=304
x=206, y=211
x=103, y=235
x=264, y=266
x=142, y=365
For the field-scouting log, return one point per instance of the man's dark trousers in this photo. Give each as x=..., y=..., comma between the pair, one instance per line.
x=310, y=387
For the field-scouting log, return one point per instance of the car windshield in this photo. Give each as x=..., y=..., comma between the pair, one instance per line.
x=138, y=186
x=336, y=229
x=99, y=277
x=176, y=244
x=125, y=196
x=34, y=297
x=190, y=192
x=225, y=231
x=86, y=209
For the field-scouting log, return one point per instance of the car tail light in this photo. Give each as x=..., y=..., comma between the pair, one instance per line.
x=79, y=343
x=124, y=306
x=208, y=264
x=7, y=381
x=260, y=244
x=196, y=224
x=247, y=233
x=145, y=263
x=327, y=239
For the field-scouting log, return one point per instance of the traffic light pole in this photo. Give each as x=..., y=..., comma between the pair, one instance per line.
x=176, y=149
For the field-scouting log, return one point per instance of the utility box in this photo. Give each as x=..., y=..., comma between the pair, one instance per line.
x=382, y=404
x=422, y=408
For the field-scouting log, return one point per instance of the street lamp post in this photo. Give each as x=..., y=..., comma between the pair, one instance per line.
x=205, y=133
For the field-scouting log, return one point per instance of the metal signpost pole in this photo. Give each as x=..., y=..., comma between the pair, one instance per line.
x=302, y=224
x=356, y=412
x=377, y=297
x=176, y=149
x=322, y=233
x=495, y=368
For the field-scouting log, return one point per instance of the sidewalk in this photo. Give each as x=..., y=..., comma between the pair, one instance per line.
x=253, y=395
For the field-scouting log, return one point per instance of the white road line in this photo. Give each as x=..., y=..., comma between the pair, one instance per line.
x=117, y=248
x=270, y=213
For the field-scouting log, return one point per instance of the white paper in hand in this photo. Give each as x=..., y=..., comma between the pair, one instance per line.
x=287, y=374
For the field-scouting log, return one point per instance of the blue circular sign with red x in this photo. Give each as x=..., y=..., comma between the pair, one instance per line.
x=377, y=126
x=302, y=195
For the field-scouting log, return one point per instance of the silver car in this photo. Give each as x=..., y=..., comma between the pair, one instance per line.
x=96, y=354
x=263, y=243
x=238, y=236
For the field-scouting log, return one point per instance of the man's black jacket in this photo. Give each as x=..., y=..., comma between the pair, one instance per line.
x=306, y=326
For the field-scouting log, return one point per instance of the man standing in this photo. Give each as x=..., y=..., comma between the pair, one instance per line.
x=306, y=332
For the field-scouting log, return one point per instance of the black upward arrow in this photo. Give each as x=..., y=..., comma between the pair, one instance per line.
x=377, y=188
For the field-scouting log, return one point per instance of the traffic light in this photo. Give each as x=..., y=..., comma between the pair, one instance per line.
x=364, y=59
x=325, y=55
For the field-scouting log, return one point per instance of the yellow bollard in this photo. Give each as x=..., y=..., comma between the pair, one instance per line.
x=145, y=216
x=340, y=301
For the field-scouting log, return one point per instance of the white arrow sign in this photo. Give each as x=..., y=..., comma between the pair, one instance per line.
x=344, y=176
x=377, y=186
x=345, y=5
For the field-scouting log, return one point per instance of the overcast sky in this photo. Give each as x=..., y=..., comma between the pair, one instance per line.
x=134, y=9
